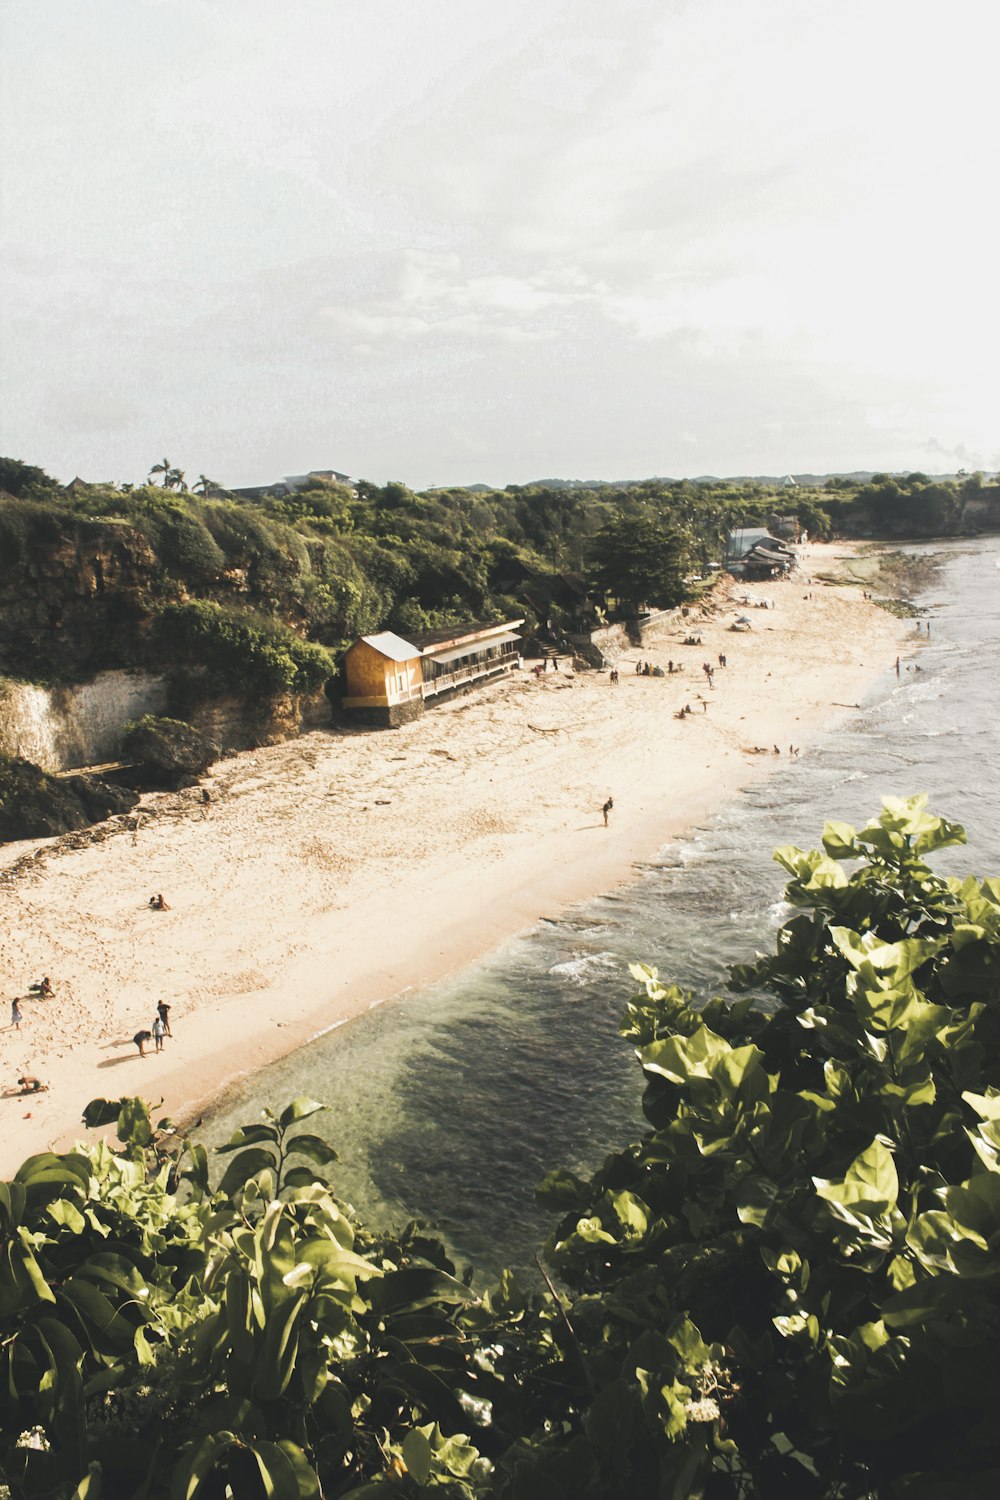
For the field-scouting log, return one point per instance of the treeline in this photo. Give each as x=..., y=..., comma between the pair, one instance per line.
x=331, y=561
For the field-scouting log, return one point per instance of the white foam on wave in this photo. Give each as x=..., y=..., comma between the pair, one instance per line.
x=587, y=967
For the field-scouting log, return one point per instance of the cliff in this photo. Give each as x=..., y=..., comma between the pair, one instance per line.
x=76, y=595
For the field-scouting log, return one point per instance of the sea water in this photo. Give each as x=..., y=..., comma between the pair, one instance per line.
x=448, y=1104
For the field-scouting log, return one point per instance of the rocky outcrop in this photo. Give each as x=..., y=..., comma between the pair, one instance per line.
x=237, y=724
x=168, y=752
x=34, y=804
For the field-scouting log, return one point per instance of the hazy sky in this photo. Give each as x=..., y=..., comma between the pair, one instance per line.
x=499, y=239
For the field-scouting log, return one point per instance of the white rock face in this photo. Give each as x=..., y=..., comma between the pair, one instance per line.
x=59, y=728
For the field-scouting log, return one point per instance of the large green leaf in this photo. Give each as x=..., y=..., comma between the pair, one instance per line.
x=312, y=1146
x=250, y=1135
x=299, y=1109
x=870, y=1183
x=243, y=1167
x=196, y=1464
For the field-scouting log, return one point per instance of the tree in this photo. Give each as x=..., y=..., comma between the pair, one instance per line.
x=640, y=561
x=206, y=486
x=25, y=480
x=164, y=467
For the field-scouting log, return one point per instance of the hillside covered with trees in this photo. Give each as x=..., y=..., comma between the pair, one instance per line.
x=262, y=594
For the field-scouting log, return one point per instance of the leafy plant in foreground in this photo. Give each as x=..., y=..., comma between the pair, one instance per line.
x=791, y=1285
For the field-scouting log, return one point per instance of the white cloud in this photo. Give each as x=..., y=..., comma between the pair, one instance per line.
x=721, y=230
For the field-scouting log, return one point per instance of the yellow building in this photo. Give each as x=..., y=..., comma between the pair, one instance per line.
x=388, y=680
x=385, y=680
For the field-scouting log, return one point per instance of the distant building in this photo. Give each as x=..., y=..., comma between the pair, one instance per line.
x=753, y=552
x=291, y=484
x=389, y=680
x=741, y=541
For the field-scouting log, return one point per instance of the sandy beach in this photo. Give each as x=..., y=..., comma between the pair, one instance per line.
x=342, y=868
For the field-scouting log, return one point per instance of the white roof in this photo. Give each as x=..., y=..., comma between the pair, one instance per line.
x=392, y=646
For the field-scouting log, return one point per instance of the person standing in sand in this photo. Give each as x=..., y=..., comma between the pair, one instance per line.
x=158, y=1033
x=140, y=1039
x=606, y=809
x=15, y=1008
x=163, y=1011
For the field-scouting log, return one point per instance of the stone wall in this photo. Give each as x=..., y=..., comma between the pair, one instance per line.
x=656, y=626
x=602, y=647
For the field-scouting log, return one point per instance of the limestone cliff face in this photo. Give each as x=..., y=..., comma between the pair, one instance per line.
x=58, y=728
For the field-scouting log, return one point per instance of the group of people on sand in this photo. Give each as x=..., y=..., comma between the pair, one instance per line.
x=41, y=989
x=159, y=1029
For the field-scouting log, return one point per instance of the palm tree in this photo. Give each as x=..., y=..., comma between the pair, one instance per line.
x=165, y=468
x=206, y=486
x=175, y=479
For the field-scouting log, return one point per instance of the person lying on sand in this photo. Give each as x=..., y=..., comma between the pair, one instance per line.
x=42, y=988
x=157, y=902
x=29, y=1084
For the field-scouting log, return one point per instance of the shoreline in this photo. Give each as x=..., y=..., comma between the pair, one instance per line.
x=344, y=868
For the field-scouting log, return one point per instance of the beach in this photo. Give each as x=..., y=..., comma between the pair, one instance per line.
x=342, y=868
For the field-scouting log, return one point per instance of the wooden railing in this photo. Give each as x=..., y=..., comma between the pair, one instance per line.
x=445, y=680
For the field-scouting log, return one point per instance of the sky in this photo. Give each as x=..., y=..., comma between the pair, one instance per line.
x=462, y=242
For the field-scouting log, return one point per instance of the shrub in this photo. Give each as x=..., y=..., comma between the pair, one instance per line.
x=240, y=652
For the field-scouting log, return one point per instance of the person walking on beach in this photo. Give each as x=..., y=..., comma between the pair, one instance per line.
x=606, y=809
x=158, y=1034
x=140, y=1039
x=15, y=1007
x=163, y=1011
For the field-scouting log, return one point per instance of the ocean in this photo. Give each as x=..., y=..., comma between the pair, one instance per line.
x=449, y=1103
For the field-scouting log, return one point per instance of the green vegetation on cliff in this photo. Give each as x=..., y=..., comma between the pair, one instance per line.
x=790, y=1286
x=96, y=576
